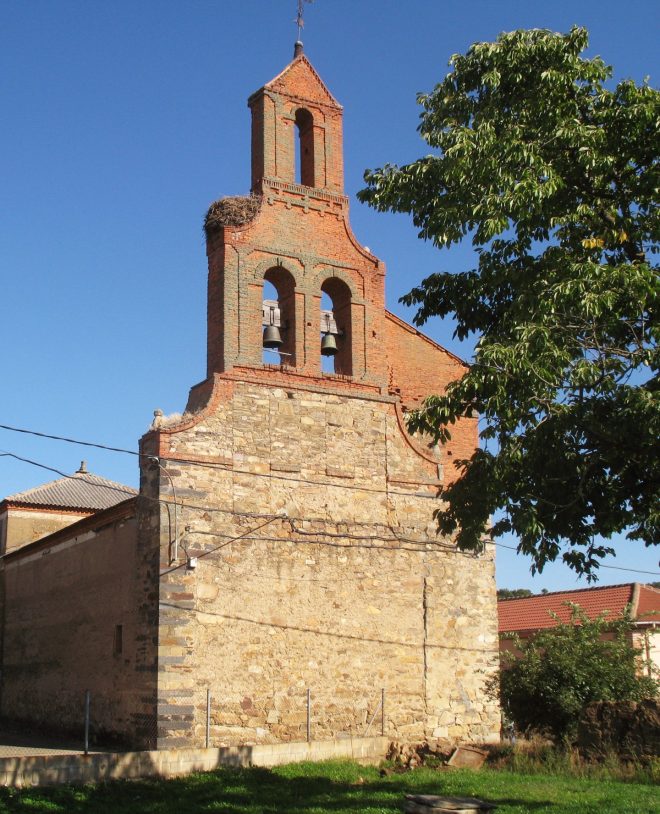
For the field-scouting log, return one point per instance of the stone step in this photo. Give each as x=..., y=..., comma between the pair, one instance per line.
x=434, y=804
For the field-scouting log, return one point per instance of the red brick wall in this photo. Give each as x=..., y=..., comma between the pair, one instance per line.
x=418, y=368
x=305, y=231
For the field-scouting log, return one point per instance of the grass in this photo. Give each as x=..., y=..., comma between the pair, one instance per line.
x=544, y=758
x=339, y=787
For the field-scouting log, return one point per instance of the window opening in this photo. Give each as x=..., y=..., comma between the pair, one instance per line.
x=304, y=148
x=118, y=643
x=271, y=318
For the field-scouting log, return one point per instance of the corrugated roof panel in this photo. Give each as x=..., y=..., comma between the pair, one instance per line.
x=79, y=491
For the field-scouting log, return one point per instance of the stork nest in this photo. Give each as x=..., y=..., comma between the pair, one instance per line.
x=236, y=210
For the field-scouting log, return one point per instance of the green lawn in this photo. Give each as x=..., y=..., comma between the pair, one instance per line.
x=337, y=787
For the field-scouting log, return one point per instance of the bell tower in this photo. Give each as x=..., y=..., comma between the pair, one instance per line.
x=297, y=132
x=292, y=235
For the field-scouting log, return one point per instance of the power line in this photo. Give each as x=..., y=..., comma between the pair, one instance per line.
x=632, y=570
x=422, y=545
x=271, y=517
x=329, y=633
x=130, y=492
x=599, y=565
x=222, y=545
x=68, y=440
x=227, y=467
x=194, y=506
x=215, y=509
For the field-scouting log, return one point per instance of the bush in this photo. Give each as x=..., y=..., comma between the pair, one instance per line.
x=562, y=669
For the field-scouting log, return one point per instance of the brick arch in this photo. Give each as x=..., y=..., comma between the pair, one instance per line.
x=327, y=273
x=258, y=273
x=284, y=282
x=341, y=295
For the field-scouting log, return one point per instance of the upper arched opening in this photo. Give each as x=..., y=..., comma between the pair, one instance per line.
x=304, y=148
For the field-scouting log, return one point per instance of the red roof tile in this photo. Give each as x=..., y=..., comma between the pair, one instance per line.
x=533, y=612
x=648, y=609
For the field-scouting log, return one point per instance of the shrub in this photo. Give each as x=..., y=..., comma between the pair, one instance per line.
x=564, y=668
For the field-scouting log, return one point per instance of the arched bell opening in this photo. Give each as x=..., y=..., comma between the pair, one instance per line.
x=336, y=351
x=328, y=340
x=304, y=147
x=278, y=317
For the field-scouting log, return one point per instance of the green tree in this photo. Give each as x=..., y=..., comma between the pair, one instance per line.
x=562, y=669
x=554, y=178
x=513, y=593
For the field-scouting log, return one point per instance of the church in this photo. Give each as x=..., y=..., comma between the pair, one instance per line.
x=281, y=553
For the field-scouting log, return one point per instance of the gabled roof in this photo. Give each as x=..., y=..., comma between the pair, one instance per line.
x=534, y=612
x=82, y=490
x=300, y=79
x=411, y=329
x=648, y=605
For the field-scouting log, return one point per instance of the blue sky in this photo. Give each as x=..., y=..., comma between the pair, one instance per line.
x=122, y=121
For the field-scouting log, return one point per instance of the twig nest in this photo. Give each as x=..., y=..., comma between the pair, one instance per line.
x=236, y=210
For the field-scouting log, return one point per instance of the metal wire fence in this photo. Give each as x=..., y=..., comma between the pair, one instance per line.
x=201, y=717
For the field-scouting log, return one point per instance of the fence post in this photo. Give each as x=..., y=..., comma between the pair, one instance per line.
x=309, y=715
x=382, y=711
x=208, y=717
x=87, y=705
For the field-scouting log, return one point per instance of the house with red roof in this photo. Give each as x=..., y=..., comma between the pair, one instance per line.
x=523, y=617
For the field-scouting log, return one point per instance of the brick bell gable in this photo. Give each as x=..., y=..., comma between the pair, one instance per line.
x=299, y=239
x=349, y=565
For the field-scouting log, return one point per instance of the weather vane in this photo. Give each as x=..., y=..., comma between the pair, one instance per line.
x=300, y=21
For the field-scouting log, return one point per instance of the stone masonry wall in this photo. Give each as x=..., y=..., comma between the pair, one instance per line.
x=348, y=592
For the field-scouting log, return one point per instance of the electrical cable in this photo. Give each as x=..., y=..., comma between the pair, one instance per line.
x=328, y=633
x=215, y=509
x=421, y=546
x=222, y=545
x=125, y=491
x=227, y=467
x=195, y=506
x=68, y=440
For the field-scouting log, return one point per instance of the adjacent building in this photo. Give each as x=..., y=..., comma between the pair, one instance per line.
x=30, y=515
x=524, y=617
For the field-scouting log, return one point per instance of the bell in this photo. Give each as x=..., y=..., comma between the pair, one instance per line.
x=272, y=338
x=328, y=345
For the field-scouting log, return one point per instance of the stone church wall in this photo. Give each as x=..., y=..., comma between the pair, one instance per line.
x=348, y=592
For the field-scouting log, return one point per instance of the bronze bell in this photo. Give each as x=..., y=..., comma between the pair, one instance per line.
x=328, y=345
x=272, y=337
